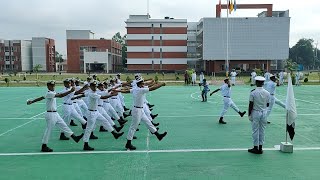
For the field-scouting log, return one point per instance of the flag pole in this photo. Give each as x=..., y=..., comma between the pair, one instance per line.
x=286, y=127
x=227, y=59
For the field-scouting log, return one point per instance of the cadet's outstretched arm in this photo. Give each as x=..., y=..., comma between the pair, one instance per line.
x=114, y=93
x=214, y=91
x=81, y=90
x=65, y=93
x=35, y=100
x=156, y=86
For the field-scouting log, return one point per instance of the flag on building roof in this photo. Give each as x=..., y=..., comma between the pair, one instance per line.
x=220, y=7
x=231, y=7
x=291, y=109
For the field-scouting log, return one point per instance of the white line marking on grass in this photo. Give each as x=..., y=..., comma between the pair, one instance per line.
x=303, y=100
x=152, y=151
x=218, y=115
x=18, y=118
x=32, y=119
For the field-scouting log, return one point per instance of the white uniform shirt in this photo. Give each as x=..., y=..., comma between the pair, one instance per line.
x=194, y=76
x=134, y=84
x=253, y=74
x=270, y=87
x=138, y=96
x=201, y=78
x=67, y=99
x=225, y=90
x=281, y=74
x=233, y=74
x=297, y=75
x=260, y=97
x=51, y=103
x=93, y=99
x=267, y=76
x=101, y=93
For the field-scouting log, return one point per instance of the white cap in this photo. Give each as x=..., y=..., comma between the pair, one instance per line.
x=260, y=78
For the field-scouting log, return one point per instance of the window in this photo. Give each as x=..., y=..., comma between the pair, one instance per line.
x=160, y=52
x=160, y=40
x=13, y=58
x=7, y=66
x=6, y=49
x=7, y=58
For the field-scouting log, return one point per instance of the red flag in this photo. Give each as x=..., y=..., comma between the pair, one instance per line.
x=220, y=7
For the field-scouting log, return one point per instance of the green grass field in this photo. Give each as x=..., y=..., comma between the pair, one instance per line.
x=196, y=147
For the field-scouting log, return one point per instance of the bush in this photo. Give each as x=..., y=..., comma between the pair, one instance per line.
x=177, y=78
x=24, y=78
x=305, y=80
x=156, y=78
x=127, y=79
x=7, y=80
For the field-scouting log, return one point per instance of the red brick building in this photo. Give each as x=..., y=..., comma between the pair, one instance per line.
x=84, y=53
x=156, y=44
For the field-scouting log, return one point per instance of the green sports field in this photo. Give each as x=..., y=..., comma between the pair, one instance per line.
x=196, y=147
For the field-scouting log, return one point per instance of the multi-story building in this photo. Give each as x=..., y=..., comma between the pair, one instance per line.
x=15, y=55
x=192, y=44
x=84, y=53
x=43, y=53
x=156, y=44
x=248, y=43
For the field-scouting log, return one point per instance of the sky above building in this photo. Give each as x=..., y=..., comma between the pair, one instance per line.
x=24, y=19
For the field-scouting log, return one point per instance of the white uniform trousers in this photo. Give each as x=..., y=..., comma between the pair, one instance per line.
x=233, y=80
x=110, y=110
x=147, y=111
x=105, y=115
x=259, y=122
x=274, y=100
x=70, y=112
x=76, y=106
x=138, y=115
x=83, y=106
x=115, y=103
x=227, y=103
x=281, y=80
x=121, y=98
x=94, y=116
x=53, y=118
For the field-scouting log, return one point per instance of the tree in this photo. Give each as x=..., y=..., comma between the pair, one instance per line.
x=123, y=41
x=36, y=69
x=59, y=57
x=302, y=52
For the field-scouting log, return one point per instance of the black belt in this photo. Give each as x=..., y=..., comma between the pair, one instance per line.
x=74, y=102
x=91, y=110
x=272, y=94
x=114, y=98
x=51, y=111
x=67, y=104
x=138, y=107
x=100, y=105
x=105, y=101
x=226, y=96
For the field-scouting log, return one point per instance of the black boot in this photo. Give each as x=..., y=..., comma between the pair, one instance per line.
x=76, y=138
x=85, y=118
x=116, y=135
x=118, y=129
x=242, y=113
x=150, y=105
x=260, y=149
x=125, y=108
x=125, y=115
x=155, y=124
x=86, y=147
x=151, y=109
x=129, y=146
x=72, y=123
x=221, y=121
x=202, y=98
x=157, y=130
x=122, y=121
x=84, y=126
x=45, y=148
x=102, y=129
x=160, y=136
x=137, y=129
x=154, y=116
x=92, y=136
x=254, y=150
x=63, y=137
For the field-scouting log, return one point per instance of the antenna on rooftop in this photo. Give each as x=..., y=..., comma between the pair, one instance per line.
x=148, y=8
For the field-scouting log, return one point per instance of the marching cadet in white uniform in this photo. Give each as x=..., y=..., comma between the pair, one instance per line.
x=115, y=102
x=267, y=76
x=233, y=75
x=80, y=101
x=68, y=109
x=101, y=91
x=93, y=115
x=201, y=78
x=227, y=101
x=253, y=76
x=271, y=88
x=138, y=114
x=258, y=104
x=281, y=76
x=75, y=103
x=121, y=97
x=52, y=117
x=193, y=78
x=298, y=78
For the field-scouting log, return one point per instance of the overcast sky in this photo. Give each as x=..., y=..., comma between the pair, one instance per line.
x=24, y=19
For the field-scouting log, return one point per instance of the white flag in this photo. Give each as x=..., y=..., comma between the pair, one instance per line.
x=291, y=108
